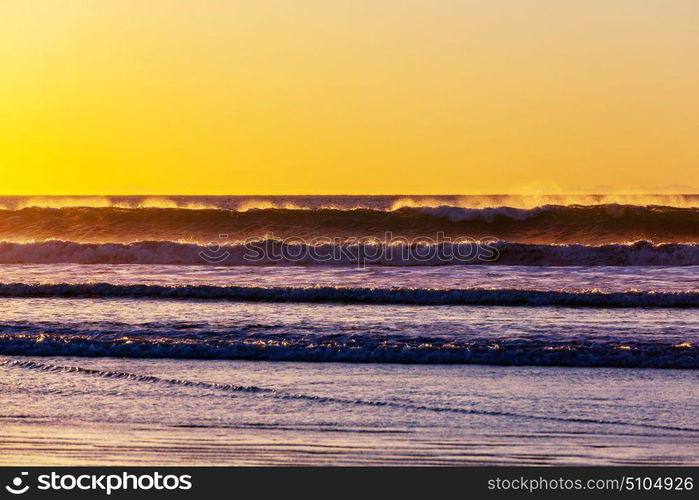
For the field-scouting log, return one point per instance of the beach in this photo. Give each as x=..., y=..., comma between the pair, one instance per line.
x=120, y=348
x=152, y=412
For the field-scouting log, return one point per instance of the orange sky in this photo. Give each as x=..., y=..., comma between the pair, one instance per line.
x=348, y=96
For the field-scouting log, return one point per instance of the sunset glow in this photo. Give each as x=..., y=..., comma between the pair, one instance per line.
x=222, y=97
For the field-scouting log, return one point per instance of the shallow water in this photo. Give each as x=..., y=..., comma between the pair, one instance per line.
x=404, y=315
x=186, y=412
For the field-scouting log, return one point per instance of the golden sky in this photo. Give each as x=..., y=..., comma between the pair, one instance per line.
x=348, y=96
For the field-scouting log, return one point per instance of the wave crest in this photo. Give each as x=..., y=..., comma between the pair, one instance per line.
x=276, y=252
x=361, y=295
x=356, y=350
x=548, y=224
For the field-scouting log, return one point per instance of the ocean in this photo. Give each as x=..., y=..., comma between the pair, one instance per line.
x=347, y=330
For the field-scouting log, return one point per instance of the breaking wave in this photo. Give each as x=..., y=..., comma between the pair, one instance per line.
x=363, y=349
x=547, y=224
x=361, y=295
x=277, y=252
